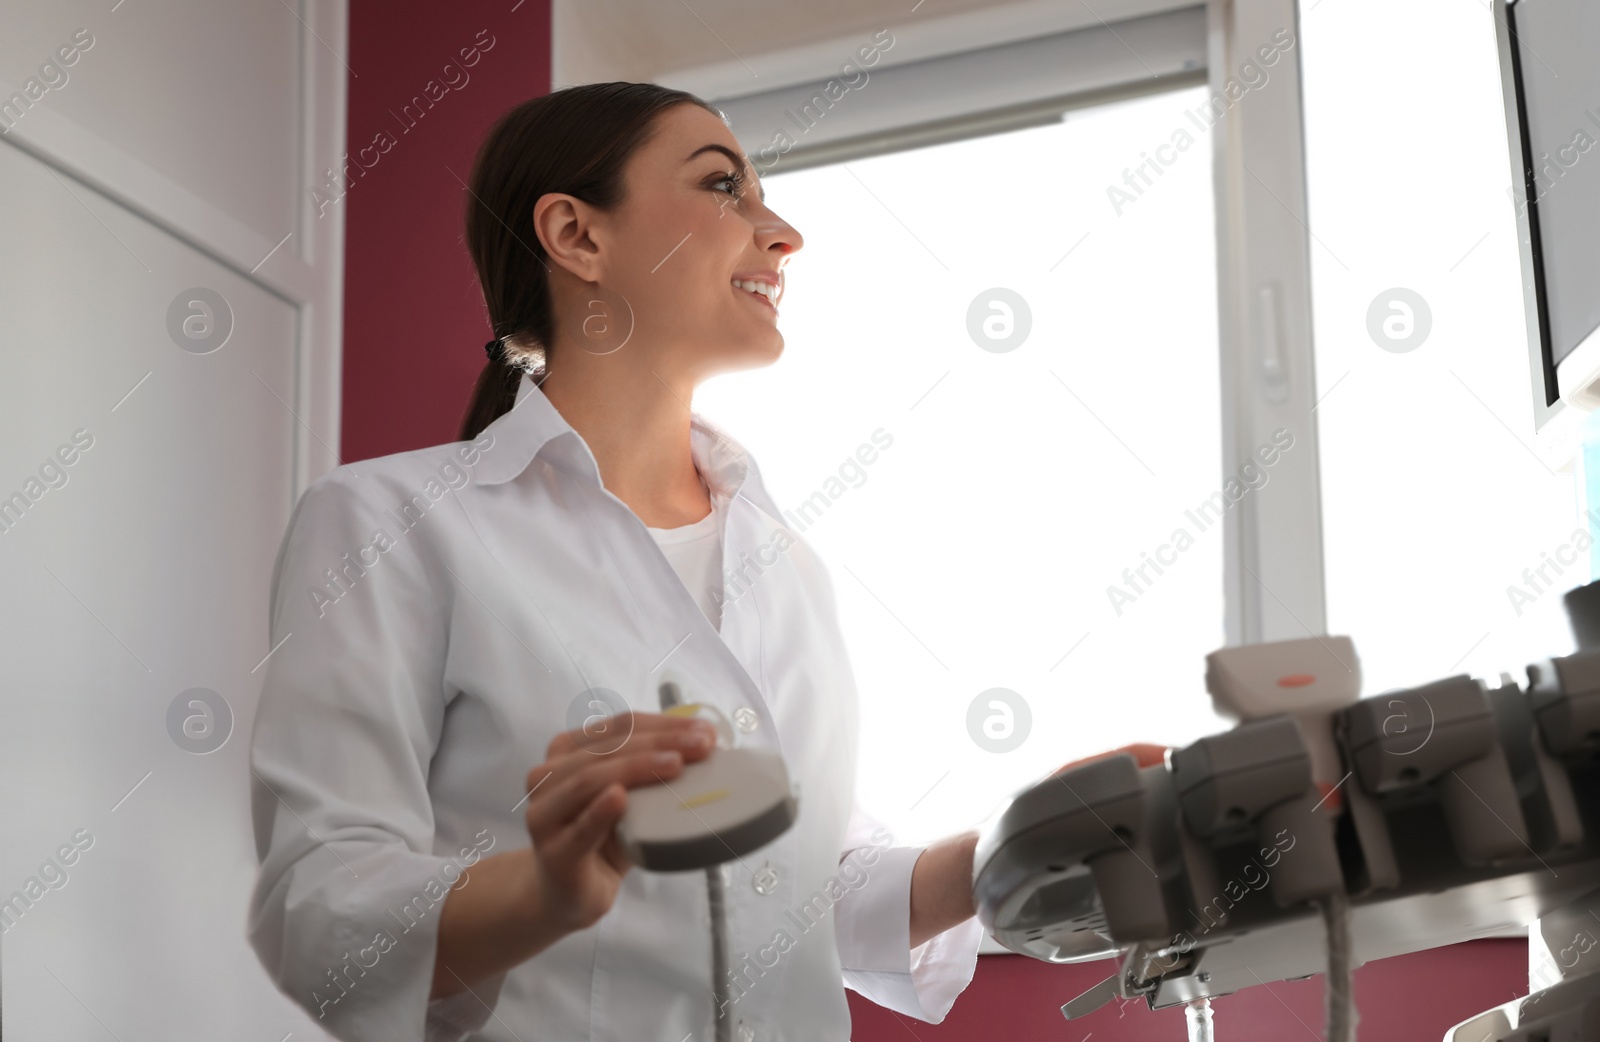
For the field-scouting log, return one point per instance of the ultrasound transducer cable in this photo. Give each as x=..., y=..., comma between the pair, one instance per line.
x=670, y=697
x=1338, y=994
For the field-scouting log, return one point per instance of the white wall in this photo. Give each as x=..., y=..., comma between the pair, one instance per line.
x=146, y=475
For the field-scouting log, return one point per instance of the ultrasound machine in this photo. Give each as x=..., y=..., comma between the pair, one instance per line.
x=1323, y=831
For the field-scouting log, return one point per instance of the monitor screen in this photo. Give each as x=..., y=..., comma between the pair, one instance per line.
x=1553, y=75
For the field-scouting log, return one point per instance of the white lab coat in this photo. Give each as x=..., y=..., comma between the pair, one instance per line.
x=438, y=616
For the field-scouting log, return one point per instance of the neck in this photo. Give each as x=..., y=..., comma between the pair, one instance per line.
x=635, y=420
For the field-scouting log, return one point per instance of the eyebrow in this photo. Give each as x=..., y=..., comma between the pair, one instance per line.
x=734, y=159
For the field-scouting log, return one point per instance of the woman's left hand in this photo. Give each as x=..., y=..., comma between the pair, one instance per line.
x=1145, y=754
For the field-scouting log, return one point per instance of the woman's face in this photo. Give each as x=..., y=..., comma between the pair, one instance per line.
x=693, y=221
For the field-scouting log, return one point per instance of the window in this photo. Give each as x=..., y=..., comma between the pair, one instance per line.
x=1007, y=490
x=1439, y=509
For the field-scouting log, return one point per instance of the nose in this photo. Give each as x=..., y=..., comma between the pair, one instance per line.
x=774, y=233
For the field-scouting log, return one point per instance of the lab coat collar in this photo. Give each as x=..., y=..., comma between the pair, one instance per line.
x=533, y=426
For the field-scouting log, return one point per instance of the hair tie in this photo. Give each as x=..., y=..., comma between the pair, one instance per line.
x=496, y=349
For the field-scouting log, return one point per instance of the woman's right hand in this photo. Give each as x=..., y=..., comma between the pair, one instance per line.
x=578, y=795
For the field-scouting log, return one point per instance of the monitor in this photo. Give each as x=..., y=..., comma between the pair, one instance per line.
x=1550, y=75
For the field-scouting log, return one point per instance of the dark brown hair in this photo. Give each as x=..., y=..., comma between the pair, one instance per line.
x=576, y=141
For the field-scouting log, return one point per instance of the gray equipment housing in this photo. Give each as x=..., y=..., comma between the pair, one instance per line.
x=1466, y=811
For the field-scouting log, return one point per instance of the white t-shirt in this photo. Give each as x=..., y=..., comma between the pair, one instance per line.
x=695, y=553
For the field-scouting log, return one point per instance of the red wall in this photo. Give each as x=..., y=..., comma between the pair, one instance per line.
x=414, y=322
x=1411, y=998
x=414, y=328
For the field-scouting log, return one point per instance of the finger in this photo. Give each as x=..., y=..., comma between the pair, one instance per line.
x=690, y=743
x=612, y=730
x=615, y=856
x=612, y=733
x=1146, y=753
x=694, y=738
x=570, y=793
x=590, y=828
x=1143, y=753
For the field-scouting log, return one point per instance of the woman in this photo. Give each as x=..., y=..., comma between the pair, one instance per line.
x=444, y=617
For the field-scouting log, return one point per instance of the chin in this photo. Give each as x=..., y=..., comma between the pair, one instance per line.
x=751, y=355
x=769, y=352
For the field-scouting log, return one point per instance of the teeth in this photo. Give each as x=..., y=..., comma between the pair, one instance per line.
x=766, y=289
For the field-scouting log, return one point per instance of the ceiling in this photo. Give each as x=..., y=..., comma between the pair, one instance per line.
x=724, y=48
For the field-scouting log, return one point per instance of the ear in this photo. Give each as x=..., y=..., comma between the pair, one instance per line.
x=563, y=224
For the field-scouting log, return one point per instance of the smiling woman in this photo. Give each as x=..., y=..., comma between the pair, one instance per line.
x=626, y=254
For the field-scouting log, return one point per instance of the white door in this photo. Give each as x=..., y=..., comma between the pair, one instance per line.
x=168, y=382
